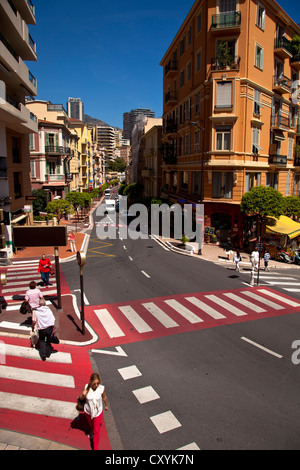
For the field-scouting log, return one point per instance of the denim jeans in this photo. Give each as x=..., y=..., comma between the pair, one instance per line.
x=45, y=278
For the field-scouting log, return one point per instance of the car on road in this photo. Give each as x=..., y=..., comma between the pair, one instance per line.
x=110, y=206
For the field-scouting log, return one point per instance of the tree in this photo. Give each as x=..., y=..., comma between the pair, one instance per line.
x=264, y=202
x=59, y=208
x=41, y=201
x=292, y=207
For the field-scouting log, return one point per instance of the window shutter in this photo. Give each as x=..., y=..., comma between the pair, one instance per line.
x=224, y=95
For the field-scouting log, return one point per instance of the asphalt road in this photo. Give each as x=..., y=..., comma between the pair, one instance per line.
x=224, y=391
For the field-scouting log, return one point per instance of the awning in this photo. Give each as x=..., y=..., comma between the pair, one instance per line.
x=285, y=226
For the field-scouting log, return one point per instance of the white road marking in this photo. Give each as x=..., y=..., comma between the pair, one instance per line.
x=183, y=311
x=139, y=324
x=261, y=347
x=110, y=325
x=130, y=372
x=262, y=300
x=145, y=394
x=25, y=375
x=205, y=308
x=279, y=297
x=31, y=353
x=246, y=303
x=40, y=406
x=226, y=305
x=145, y=274
x=165, y=422
x=160, y=315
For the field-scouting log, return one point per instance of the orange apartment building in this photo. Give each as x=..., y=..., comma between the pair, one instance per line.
x=231, y=116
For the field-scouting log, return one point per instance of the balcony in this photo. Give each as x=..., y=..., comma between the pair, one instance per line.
x=223, y=21
x=225, y=63
x=283, y=48
x=171, y=69
x=277, y=160
x=55, y=179
x=171, y=98
x=57, y=150
x=282, y=84
x=280, y=122
x=170, y=126
x=295, y=61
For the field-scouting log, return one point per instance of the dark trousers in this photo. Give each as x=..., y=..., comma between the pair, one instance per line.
x=45, y=278
x=44, y=337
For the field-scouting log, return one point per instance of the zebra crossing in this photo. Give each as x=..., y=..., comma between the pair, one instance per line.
x=286, y=282
x=18, y=277
x=43, y=392
x=145, y=319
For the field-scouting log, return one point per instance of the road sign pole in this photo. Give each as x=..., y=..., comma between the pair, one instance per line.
x=58, y=286
x=81, y=259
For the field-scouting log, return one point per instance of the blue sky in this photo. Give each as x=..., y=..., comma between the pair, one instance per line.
x=108, y=52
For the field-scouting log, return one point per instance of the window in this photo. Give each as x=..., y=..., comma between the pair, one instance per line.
x=199, y=22
x=198, y=60
x=259, y=57
x=272, y=180
x=32, y=168
x=197, y=141
x=17, y=185
x=223, y=137
x=224, y=95
x=252, y=180
x=181, y=78
x=31, y=142
x=182, y=46
x=290, y=149
x=15, y=146
x=197, y=105
x=260, y=20
x=222, y=185
x=187, y=144
x=255, y=141
x=189, y=36
x=189, y=71
x=227, y=5
x=257, y=97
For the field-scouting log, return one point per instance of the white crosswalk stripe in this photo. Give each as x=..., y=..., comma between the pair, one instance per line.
x=15, y=375
x=219, y=306
x=18, y=278
x=288, y=283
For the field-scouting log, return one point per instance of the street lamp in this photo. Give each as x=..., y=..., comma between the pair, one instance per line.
x=202, y=171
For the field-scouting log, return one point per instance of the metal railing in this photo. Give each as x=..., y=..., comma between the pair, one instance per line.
x=226, y=20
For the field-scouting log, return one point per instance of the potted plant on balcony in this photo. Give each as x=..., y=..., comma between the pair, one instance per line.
x=296, y=46
x=224, y=55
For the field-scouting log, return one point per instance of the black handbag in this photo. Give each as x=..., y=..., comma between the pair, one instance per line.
x=53, y=338
x=80, y=404
x=25, y=308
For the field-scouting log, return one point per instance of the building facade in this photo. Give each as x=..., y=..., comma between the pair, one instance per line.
x=50, y=149
x=130, y=119
x=151, y=173
x=231, y=117
x=16, y=121
x=75, y=108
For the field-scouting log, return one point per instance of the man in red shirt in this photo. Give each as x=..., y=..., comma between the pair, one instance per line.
x=44, y=270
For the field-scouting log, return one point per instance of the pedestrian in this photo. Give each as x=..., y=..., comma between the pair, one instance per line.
x=228, y=248
x=237, y=259
x=94, y=393
x=44, y=270
x=72, y=241
x=267, y=257
x=254, y=258
x=44, y=319
x=33, y=295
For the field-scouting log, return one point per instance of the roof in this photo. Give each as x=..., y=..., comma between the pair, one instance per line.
x=285, y=226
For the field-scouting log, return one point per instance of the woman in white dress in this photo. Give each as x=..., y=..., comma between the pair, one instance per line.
x=94, y=393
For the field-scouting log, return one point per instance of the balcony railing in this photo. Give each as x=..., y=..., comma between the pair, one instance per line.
x=9, y=47
x=278, y=160
x=171, y=96
x=171, y=67
x=282, y=83
x=55, y=178
x=280, y=121
x=283, y=43
x=224, y=63
x=57, y=149
x=226, y=20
